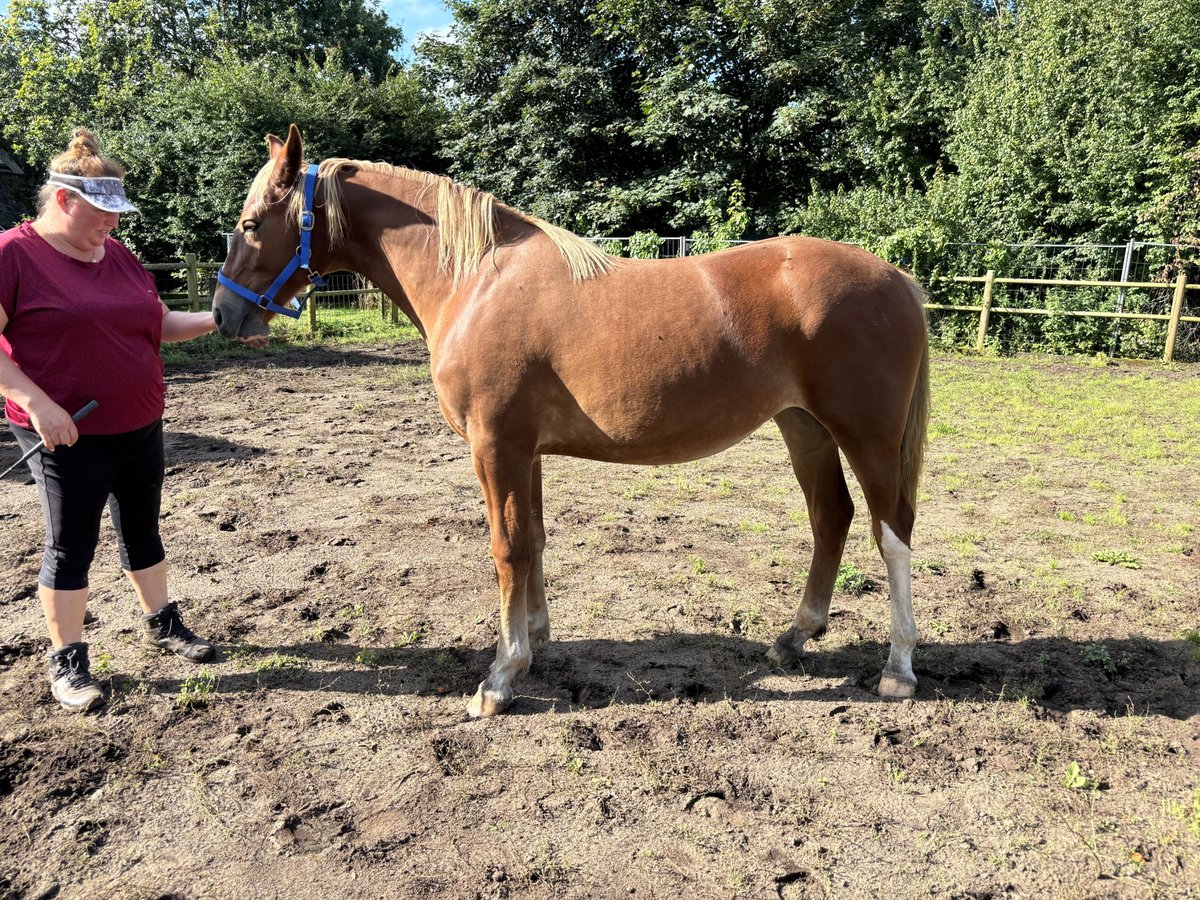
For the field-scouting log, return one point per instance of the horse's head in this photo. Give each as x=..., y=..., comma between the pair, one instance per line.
x=266, y=247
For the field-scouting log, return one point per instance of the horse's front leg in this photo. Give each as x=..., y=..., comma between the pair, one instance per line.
x=535, y=599
x=505, y=475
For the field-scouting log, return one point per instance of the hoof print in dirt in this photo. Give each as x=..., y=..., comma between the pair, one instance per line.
x=331, y=712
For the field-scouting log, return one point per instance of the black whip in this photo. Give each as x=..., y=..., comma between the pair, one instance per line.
x=91, y=404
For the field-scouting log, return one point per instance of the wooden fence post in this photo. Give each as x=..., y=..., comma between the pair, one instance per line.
x=312, y=308
x=986, y=312
x=395, y=314
x=193, y=283
x=383, y=306
x=1176, y=310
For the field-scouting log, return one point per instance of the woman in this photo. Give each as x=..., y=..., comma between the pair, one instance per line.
x=81, y=320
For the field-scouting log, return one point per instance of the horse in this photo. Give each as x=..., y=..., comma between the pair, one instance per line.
x=541, y=343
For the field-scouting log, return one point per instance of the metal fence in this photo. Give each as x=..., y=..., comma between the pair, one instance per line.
x=1136, y=299
x=651, y=246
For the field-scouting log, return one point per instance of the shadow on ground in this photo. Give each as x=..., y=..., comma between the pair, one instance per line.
x=1141, y=676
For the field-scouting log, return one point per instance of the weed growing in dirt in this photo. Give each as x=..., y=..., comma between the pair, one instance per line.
x=103, y=664
x=1076, y=779
x=408, y=639
x=1190, y=817
x=852, y=581
x=367, y=657
x=196, y=689
x=966, y=542
x=1117, y=558
x=742, y=620
x=1096, y=653
x=279, y=661
x=1193, y=638
x=755, y=527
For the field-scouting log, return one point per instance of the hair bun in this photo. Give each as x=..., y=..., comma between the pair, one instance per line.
x=83, y=143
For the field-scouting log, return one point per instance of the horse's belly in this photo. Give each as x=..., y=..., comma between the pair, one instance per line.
x=655, y=434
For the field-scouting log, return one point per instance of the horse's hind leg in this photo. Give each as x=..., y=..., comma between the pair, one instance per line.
x=535, y=597
x=819, y=471
x=504, y=474
x=878, y=473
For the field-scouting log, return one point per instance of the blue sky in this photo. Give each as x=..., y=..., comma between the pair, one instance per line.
x=414, y=16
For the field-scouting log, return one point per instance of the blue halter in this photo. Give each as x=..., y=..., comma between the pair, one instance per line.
x=266, y=300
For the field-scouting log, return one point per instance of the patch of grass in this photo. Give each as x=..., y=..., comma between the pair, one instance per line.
x=1096, y=653
x=409, y=638
x=852, y=581
x=277, y=662
x=367, y=657
x=196, y=689
x=103, y=664
x=1117, y=558
x=966, y=542
x=741, y=621
x=1193, y=637
x=335, y=326
x=755, y=527
x=940, y=628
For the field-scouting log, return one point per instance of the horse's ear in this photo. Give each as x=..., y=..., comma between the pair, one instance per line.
x=274, y=145
x=287, y=156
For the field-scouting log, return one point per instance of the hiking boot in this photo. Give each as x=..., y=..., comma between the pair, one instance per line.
x=165, y=630
x=71, y=680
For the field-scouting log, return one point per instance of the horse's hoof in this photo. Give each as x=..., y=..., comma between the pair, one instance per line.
x=783, y=657
x=786, y=650
x=896, y=687
x=489, y=702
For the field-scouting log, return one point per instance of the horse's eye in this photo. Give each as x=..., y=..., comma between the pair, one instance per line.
x=249, y=225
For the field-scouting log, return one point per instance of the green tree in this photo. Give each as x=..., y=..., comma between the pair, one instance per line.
x=628, y=114
x=540, y=107
x=183, y=92
x=1078, y=123
x=190, y=186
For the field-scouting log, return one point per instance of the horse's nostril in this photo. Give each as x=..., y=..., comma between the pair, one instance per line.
x=217, y=315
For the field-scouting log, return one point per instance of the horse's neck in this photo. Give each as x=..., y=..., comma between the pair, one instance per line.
x=393, y=241
x=379, y=228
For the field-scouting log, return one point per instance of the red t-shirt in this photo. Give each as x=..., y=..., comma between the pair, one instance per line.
x=83, y=331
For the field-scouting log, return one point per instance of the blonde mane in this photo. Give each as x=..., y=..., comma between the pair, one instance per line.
x=466, y=219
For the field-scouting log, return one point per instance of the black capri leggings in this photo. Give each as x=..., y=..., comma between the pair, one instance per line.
x=125, y=469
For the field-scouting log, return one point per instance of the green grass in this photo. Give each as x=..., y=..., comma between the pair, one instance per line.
x=852, y=581
x=1066, y=406
x=278, y=662
x=196, y=690
x=335, y=327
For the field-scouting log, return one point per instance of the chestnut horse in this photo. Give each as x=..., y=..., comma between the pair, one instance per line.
x=540, y=343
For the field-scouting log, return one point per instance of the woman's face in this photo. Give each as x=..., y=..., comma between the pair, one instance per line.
x=86, y=226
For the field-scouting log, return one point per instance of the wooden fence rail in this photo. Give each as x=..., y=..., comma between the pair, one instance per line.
x=986, y=308
x=192, y=299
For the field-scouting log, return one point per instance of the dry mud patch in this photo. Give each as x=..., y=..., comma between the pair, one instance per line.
x=324, y=525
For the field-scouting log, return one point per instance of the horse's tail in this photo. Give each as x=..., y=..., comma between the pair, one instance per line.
x=912, y=445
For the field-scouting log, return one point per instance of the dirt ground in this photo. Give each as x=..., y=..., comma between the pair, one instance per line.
x=325, y=527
